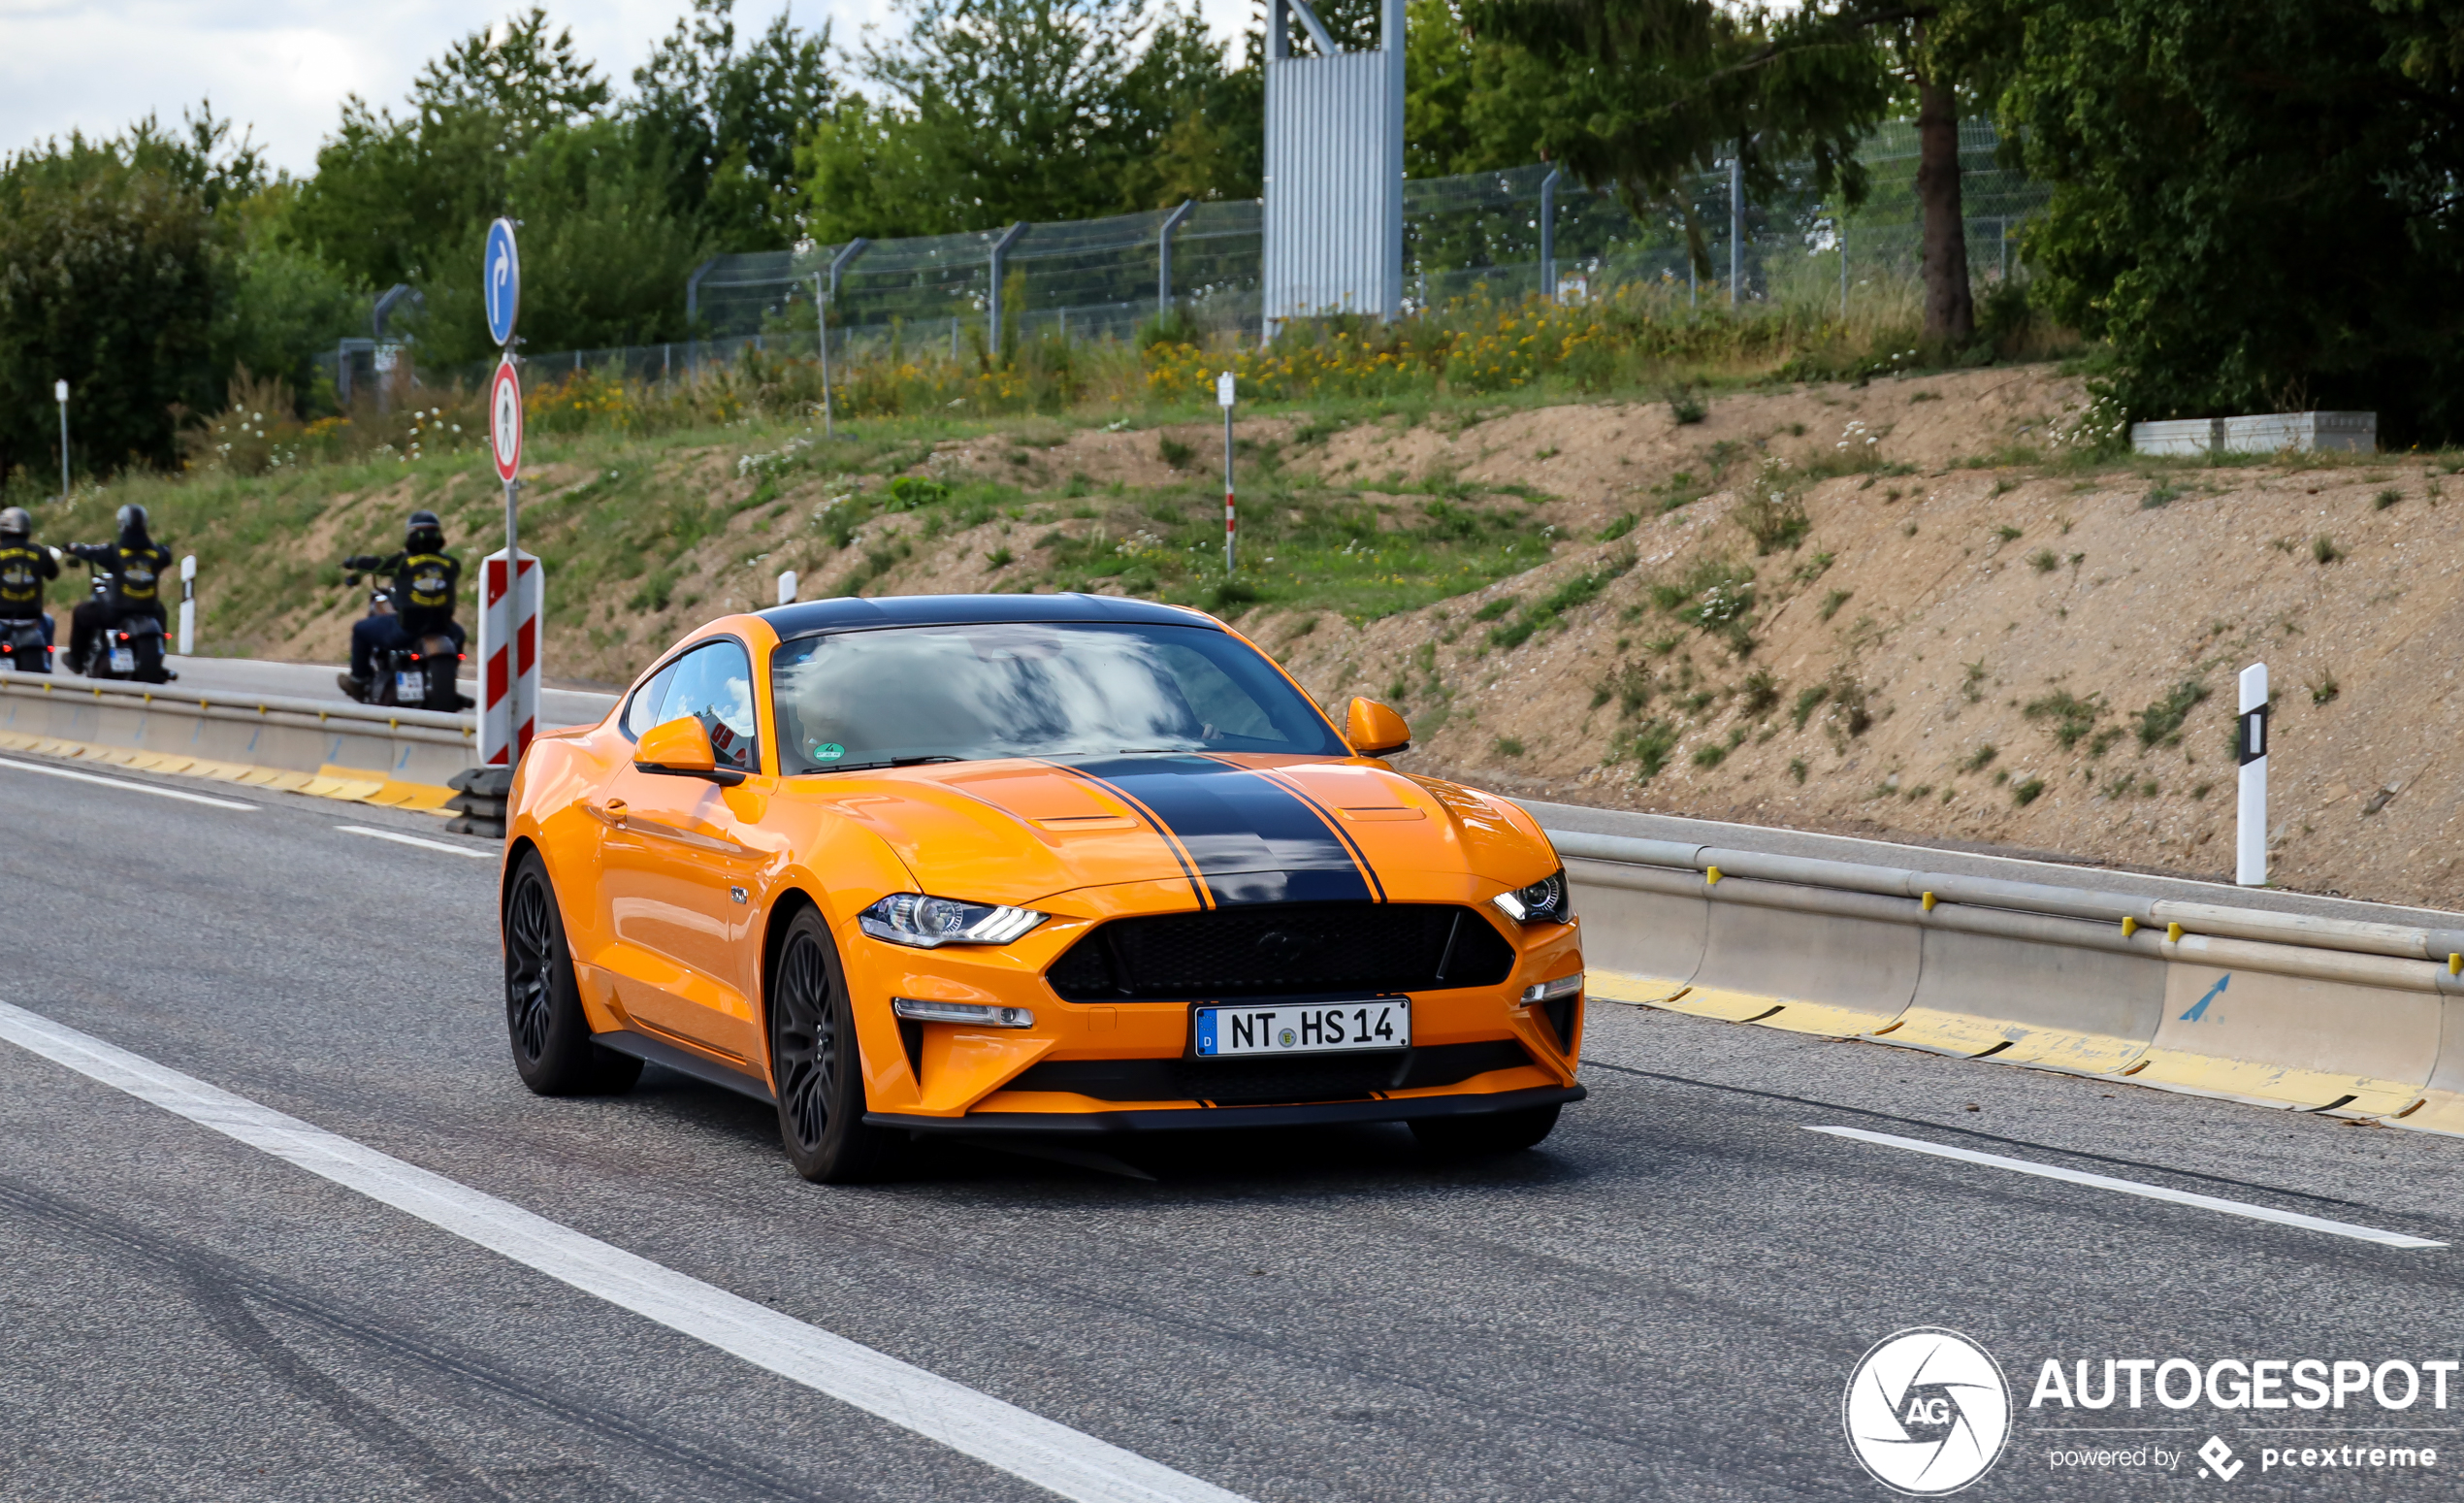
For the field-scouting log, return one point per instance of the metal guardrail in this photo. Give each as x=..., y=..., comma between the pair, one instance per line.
x=2286, y=1010
x=275, y=731
x=2446, y=946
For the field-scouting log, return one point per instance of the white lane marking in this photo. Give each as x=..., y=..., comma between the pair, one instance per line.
x=1051, y=1456
x=121, y=782
x=2257, y=1213
x=423, y=843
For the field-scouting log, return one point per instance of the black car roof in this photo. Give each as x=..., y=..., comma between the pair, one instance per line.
x=851, y=612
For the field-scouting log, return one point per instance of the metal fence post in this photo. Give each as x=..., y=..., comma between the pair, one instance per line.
x=1548, y=236
x=1843, y=268
x=1737, y=221
x=1163, y=256
x=692, y=290
x=821, y=314
x=1000, y=251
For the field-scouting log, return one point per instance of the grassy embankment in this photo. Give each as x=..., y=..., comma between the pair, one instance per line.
x=655, y=506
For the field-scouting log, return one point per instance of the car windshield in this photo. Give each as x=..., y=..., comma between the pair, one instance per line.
x=889, y=697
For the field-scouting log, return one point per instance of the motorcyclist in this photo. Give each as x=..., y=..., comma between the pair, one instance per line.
x=136, y=564
x=426, y=581
x=24, y=566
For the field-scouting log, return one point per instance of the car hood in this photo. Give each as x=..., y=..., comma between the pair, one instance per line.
x=1222, y=829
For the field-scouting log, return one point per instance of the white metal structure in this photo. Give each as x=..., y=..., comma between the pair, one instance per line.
x=1333, y=170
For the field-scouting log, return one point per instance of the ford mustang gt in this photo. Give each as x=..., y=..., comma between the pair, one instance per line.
x=1027, y=865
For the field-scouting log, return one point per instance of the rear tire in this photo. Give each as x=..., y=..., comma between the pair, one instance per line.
x=1492, y=1132
x=817, y=1064
x=551, y=1039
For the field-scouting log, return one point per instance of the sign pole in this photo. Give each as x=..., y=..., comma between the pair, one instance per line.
x=188, y=606
x=60, y=389
x=2250, y=835
x=500, y=278
x=1231, y=509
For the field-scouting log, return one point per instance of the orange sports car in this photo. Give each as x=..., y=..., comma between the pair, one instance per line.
x=1027, y=864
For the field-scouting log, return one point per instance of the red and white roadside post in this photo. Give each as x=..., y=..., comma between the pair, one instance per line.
x=508, y=607
x=1231, y=509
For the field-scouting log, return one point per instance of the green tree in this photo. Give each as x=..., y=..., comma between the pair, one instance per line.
x=722, y=125
x=1652, y=93
x=2257, y=210
x=605, y=258
x=1470, y=103
x=390, y=192
x=113, y=261
x=996, y=110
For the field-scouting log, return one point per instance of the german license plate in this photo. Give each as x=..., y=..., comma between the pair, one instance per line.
x=123, y=661
x=1304, y=1027
x=410, y=686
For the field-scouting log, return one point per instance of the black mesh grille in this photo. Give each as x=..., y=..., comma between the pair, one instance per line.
x=1284, y=950
x=1332, y=1077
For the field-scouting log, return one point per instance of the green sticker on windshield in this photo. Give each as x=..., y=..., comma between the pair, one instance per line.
x=828, y=751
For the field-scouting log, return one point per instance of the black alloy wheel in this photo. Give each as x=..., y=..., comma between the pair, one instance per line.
x=817, y=1064
x=551, y=1039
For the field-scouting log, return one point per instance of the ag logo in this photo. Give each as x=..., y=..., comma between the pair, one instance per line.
x=1927, y=1412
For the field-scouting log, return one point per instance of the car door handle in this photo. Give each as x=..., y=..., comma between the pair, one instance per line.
x=611, y=813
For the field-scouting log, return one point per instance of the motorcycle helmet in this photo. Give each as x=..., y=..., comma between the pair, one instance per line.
x=16, y=522
x=131, y=521
x=424, y=531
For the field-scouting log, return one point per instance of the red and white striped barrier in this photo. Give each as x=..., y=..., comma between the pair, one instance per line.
x=508, y=660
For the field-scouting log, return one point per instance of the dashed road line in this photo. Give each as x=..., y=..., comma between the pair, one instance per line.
x=399, y=838
x=1027, y=1445
x=121, y=782
x=2257, y=1213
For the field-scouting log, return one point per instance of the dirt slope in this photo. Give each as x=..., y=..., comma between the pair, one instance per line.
x=1956, y=633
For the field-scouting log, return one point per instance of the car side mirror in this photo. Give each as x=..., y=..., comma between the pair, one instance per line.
x=1375, y=731
x=681, y=748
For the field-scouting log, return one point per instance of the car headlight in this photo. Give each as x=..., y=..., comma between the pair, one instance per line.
x=930, y=923
x=1542, y=902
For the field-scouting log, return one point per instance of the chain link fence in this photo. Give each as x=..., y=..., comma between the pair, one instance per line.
x=1503, y=234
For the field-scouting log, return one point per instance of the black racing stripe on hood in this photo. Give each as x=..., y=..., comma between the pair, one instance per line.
x=1253, y=839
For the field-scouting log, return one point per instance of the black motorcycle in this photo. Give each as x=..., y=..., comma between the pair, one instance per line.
x=23, y=648
x=421, y=676
x=131, y=650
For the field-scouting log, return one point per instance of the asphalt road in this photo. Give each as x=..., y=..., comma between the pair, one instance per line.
x=1664, y=1301
x=315, y=681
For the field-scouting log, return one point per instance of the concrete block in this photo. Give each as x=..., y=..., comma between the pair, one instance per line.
x=2178, y=435
x=2263, y=433
x=2303, y=432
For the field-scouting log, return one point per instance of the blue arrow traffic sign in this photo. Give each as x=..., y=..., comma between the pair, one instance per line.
x=501, y=281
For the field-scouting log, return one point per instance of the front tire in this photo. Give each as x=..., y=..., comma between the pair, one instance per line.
x=551, y=1039
x=1492, y=1132
x=817, y=1065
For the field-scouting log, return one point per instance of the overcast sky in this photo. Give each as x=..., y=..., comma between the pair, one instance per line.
x=284, y=66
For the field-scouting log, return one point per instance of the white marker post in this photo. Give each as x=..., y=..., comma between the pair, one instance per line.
x=1231, y=511
x=188, y=605
x=60, y=390
x=2250, y=844
x=787, y=587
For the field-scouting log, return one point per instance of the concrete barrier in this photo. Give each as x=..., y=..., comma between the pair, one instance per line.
x=2284, y=1010
x=398, y=757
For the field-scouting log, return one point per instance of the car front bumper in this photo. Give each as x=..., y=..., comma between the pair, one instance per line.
x=1197, y=1118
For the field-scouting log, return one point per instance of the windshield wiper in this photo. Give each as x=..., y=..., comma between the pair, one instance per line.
x=886, y=762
